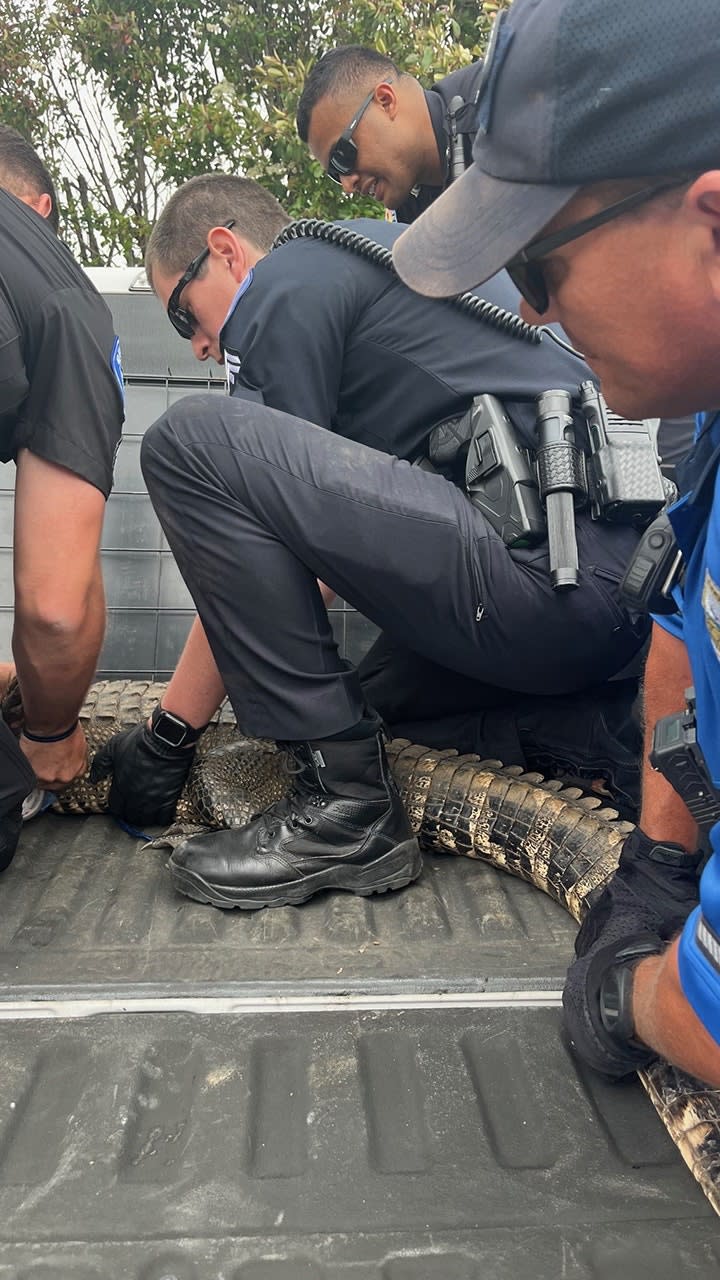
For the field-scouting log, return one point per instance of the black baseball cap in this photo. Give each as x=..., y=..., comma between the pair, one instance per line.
x=573, y=92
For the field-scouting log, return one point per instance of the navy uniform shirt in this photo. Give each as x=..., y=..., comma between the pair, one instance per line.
x=465, y=84
x=330, y=337
x=60, y=376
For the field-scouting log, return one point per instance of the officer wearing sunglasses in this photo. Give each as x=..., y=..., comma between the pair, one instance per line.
x=378, y=133
x=473, y=633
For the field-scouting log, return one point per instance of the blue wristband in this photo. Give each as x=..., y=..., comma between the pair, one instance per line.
x=51, y=737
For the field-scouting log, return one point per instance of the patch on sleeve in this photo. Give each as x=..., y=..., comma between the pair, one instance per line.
x=116, y=366
x=708, y=942
x=233, y=364
x=711, y=609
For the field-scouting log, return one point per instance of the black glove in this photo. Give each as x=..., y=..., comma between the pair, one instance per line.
x=646, y=903
x=148, y=775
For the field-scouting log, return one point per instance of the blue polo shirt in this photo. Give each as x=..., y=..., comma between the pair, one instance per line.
x=696, y=521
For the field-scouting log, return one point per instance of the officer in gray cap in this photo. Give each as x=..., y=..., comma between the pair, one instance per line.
x=596, y=181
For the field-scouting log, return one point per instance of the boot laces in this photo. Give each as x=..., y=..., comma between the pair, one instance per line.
x=304, y=794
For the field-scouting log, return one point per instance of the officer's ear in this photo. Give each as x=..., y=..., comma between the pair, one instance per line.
x=702, y=200
x=232, y=251
x=387, y=98
x=42, y=204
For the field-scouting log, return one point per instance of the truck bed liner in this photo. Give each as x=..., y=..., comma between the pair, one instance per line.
x=372, y=1089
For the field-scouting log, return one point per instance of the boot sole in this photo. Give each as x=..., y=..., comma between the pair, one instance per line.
x=394, y=870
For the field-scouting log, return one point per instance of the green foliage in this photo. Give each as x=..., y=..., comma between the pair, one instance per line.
x=127, y=99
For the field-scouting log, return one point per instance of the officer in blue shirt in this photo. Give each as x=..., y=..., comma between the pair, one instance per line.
x=696, y=522
x=596, y=181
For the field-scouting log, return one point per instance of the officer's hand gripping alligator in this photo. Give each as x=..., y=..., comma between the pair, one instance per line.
x=551, y=835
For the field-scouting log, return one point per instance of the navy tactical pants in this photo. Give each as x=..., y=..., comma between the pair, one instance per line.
x=586, y=736
x=257, y=505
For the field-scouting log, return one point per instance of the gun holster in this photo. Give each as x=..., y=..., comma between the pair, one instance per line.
x=613, y=466
x=480, y=451
x=499, y=476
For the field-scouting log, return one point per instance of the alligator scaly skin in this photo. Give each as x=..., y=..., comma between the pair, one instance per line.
x=562, y=841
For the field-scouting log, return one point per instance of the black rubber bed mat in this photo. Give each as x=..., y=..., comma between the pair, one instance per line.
x=351, y=1090
x=84, y=902
x=448, y=1143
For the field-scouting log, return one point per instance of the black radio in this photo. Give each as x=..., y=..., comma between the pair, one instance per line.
x=625, y=483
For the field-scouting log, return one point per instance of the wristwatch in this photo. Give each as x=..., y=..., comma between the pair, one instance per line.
x=172, y=729
x=616, y=989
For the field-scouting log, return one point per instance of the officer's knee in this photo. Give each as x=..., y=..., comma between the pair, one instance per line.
x=182, y=423
x=152, y=451
x=184, y=420
x=210, y=420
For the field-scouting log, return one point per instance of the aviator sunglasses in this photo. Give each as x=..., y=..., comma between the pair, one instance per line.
x=180, y=318
x=525, y=269
x=343, y=157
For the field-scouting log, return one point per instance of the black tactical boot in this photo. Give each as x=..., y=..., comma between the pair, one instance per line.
x=342, y=826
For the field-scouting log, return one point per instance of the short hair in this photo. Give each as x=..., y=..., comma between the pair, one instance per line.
x=208, y=201
x=350, y=66
x=612, y=189
x=23, y=173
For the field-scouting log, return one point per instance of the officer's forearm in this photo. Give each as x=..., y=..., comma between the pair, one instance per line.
x=667, y=1023
x=196, y=688
x=667, y=676
x=56, y=649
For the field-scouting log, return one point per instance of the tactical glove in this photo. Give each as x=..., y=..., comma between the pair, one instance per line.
x=148, y=775
x=644, y=906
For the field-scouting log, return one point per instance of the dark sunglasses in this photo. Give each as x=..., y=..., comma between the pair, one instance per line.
x=181, y=319
x=525, y=269
x=343, y=157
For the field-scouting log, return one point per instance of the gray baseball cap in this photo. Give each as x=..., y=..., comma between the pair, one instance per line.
x=573, y=92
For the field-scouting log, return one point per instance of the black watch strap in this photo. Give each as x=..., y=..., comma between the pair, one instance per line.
x=616, y=992
x=172, y=730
